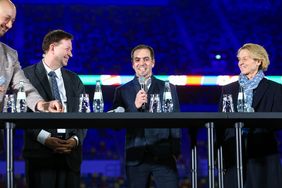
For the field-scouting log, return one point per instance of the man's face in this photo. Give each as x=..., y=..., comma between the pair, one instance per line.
x=7, y=16
x=62, y=52
x=142, y=63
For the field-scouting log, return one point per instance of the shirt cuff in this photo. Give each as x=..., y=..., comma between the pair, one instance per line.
x=77, y=140
x=42, y=136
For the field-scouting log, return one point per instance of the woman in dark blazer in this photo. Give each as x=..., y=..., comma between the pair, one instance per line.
x=261, y=159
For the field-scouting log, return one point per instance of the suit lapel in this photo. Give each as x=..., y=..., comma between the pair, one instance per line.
x=136, y=84
x=40, y=70
x=68, y=88
x=259, y=92
x=234, y=93
x=154, y=88
x=70, y=102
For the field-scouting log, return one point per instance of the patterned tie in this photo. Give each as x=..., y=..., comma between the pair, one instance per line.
x=54, y=86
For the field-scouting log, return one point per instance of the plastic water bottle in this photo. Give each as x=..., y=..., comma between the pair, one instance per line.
x=167, y=104
x=21, y=105
x=98, y=102
x=240, y=100
x=242, y=106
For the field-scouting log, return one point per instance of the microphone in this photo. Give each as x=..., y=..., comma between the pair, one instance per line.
x=141, y=80
x=119, y=109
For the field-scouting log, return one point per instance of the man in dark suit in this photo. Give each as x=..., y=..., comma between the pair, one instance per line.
x=53, y=156
x=149, y=151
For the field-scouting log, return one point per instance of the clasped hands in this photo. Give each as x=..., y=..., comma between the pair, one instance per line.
x=59, y=145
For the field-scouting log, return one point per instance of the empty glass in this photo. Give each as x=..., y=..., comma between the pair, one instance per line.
x=155, y=103
x=227, y=103
x=248, y=108
x=84, y=104
x=9, y=103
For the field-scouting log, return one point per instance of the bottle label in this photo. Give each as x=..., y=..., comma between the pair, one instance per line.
x=21, y=95
x=240, y=95
x=167, y=95
x=98, y=95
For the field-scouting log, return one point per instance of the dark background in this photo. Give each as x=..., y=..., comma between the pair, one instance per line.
x=189, y=38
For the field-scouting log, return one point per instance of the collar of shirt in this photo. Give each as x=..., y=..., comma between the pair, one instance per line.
x=57, y=71
x=60, y=83
x=148, y=83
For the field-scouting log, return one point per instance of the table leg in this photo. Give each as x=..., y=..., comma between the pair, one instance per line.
x=239, y=161
x=220, y=167
x=194, y=168
x=10, y=162
x=210, y=127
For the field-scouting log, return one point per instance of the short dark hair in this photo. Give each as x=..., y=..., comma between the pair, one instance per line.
x=143, y=46
x=54, y=36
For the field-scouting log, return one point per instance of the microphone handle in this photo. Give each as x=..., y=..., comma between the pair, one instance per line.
x=143, y=86
x=143, y=107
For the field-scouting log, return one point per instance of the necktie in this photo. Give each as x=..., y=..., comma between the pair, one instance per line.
x=54, y=86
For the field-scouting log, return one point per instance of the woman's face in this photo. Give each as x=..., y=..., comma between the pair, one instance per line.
x=248, y=65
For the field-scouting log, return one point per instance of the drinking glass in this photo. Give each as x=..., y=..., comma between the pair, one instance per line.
x=227, y=103
x=155, y=103
x=9, y=103
x=84, y=104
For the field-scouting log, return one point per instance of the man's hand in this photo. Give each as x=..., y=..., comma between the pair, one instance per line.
x=71, y=143
x=55, y=106
x=54, y=143
x=141, y=98
x=60, y=146
x=2, y=88
x=52, y=106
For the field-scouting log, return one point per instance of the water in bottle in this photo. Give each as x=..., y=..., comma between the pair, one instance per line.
x=167, y=103
x=98, y=102
x=240, y=100
x=21, y=105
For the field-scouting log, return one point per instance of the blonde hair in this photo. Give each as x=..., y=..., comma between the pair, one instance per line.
x=258, y=53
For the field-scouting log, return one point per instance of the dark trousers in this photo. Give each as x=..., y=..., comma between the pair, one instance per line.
x=264, y=172
x=162, y=170
x=46, y=174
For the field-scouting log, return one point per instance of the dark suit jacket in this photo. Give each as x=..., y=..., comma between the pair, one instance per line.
x=33, y=149
x=162, y=142
x=267, y=97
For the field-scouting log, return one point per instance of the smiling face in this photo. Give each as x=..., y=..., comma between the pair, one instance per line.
x=142, y=63
x=7, y=16
x=62, y=51
x=248, y=65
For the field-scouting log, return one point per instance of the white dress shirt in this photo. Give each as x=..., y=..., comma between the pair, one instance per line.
x=43, y=135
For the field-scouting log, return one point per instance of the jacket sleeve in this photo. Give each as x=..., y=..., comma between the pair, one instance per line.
x=31, y=93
